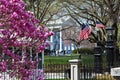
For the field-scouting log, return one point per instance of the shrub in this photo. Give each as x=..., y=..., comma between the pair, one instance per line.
x=83, y=51
x=104, y=77
x=46, y=51
x=74, y=51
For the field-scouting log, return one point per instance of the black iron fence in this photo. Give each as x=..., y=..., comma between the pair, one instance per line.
x=87, y=72
x=62, y=72
x=57, y=71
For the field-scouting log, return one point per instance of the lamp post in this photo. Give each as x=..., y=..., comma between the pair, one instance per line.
x=110, y=47
x=98, y=58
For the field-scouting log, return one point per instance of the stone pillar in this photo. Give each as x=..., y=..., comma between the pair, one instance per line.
x=115, y=72
x=75, y=73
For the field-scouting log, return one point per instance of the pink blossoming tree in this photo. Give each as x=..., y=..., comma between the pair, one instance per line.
x=20, y=31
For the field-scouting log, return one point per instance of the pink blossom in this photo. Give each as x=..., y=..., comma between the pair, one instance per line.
x=51, y=33
x=47, y=44
x=21, y=30
x=2, y=24
x=3, y=66
x=4, y=32
x=1, y=41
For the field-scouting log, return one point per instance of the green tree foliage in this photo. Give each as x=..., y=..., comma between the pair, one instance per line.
x=83, y=51
x=105, y=11
x=45, y=10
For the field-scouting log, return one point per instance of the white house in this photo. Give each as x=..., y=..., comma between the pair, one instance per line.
x=56, y=41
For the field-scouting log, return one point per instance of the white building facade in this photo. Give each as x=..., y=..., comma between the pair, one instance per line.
x=57, y=43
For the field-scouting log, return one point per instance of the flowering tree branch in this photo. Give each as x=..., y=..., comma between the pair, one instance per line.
x=20, y=29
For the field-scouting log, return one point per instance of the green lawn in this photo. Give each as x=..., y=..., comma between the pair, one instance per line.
x=60, y=59
x=65, y=59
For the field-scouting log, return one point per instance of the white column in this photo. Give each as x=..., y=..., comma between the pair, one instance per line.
x=75, y=74
x=73, y=47
x=51, y=41
x=60, y=40
x=70, y=47
x=67, y=48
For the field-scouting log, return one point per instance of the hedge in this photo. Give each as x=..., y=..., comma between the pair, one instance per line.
x=83, y=51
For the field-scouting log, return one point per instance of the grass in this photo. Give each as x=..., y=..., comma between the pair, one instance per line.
x=65, y=59
x=87, y=59
x=60, y=59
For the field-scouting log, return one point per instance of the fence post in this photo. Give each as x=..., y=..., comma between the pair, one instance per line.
x=75, y=74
